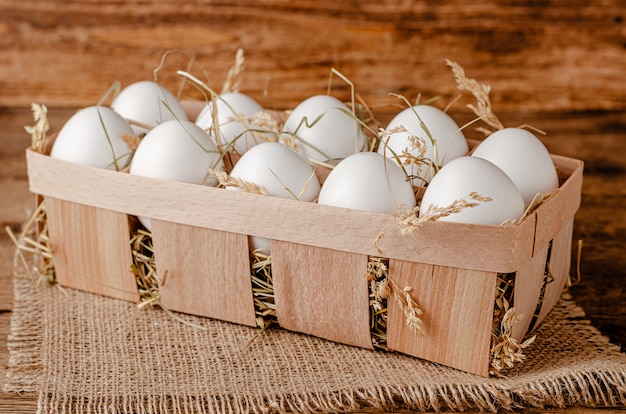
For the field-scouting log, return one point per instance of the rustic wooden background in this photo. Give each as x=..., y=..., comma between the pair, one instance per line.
x=536, y=55
x=558, y=65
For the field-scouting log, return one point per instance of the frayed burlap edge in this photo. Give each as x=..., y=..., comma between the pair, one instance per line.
x=600, y=382
x=26, y=338
x=590, y=389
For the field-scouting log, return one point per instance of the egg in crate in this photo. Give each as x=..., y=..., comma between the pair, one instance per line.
x=176, y=151
x=443, y=140
x=524, y=158
x=146, y=104
x=324, y=129
x=279, y=170
x=464, y=176
x=368, y=181
x=234, y=111
x=94, y=136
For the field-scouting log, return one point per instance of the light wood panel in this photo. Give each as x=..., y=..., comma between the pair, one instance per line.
x=321, y=292
x=457, y=306
x=91, y=249
x=527, y=290
x=204, y=272
x=560, y=265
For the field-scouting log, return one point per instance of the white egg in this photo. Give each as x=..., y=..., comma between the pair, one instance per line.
x=177, y=151
x=93, y=136
x=465, y=175
x=443, y=140
x=368, y=181
x=282, y=172
x=148, y=103
x=231, y=108
x=324, y=129
x=524, y=158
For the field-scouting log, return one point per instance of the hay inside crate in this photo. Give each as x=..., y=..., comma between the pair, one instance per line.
x=319, y=255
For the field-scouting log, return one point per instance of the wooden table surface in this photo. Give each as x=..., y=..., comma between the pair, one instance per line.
x=597, y=138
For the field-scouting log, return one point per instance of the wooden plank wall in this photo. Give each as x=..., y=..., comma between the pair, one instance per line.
x=537, y=55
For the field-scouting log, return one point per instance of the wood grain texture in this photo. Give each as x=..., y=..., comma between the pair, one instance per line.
x=91, y=249
x=492, y=248
x=559, y=267
x=540, y=56
x=457, y=306
x=527, y=290
x=321, y=292
x=562, y=205
x=196, y=279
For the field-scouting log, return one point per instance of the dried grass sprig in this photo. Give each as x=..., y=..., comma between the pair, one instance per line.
x=534, y=204
x=226, y=180
x=34, y=236
x=263, y=126
x=233, y=79
x=34, y=239
x=506, y=351
x=381, y=288
x=377, y=240
x=409, y=221
x=131, y=141
x=418, y=158
x=414, y=154
x=263, y=289
x=412, y=311
x=39, y=131
x=505, y=283
x=481, y=93
x=144, y=267
x=379, y=292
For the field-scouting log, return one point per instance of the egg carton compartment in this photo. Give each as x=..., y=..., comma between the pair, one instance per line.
x=319, y=256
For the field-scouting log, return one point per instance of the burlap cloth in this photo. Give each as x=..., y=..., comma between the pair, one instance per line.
x=82, y=353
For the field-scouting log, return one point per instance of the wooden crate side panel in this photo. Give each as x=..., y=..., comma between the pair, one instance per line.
x=560, y=265
x=491, y=248
x=559, y=210
x=527, y=289
x=321, y=292
x=91, y=249
x=458, y=314
x=207, y=272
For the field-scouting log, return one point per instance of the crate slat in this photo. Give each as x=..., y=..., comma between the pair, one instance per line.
x=457, y=307
x=207, y=272
x=560, y=262
x=91, y=249
x=560, y=208
x=321, y=292
x=527, y=290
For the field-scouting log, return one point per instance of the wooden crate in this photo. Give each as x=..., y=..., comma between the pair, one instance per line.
x=319, y=254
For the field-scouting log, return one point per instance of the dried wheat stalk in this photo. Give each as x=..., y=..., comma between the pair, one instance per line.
x=381, y=288
x=38, y=132
x=481, y=93
x=263, y=289
x=144, y=268
x=233, y=79
x=410, y=220
x=227, y=181
x=505, y=350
